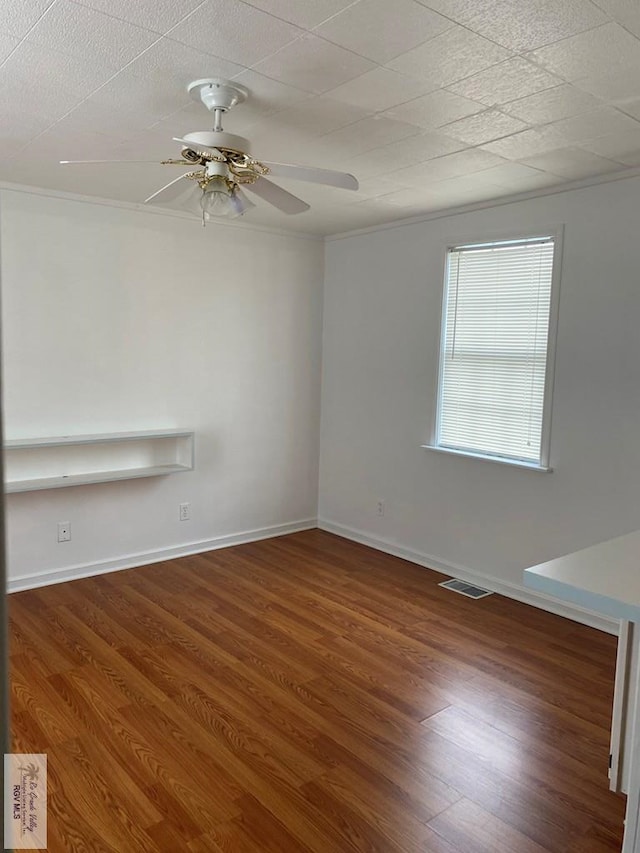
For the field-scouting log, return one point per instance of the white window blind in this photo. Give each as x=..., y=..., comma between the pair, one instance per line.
x=494, y=348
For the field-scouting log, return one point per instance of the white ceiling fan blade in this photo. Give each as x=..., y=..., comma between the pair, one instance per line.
x=315, y=176
x=94, y=162
x=171, y=191
x=275, y=195
x=194, y=146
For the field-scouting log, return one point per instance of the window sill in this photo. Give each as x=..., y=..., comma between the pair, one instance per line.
x=512, y=463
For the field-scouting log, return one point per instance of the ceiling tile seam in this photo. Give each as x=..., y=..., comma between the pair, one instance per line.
x=503, y=107
x=522, y=54
x=370, y=112
x=612, y=19
x=571, y=148
x=31, y=28
x=444, y=213
x=617, y=105
x=465, y=148
x=575, y=147
x=300, y=38
x=141, y=54
x=532, y=60
x=481, y=107
x=98, y=88
x=106, y=82
x=452, y=154
x=527, y=50
x=600, y=8
x=204, y=3
x=124, y=20
x=529, y=126
x=375, y=117
x=566, y=38
x=626, y=29
x=391, y=58
x=388, y=112
x=421, y=44
x=463, y=26
x=162, y=119
x=303, y=33
x=161, y=36
x=284, y=20
x=253, y=67
x=525, y=54
x=247, y=67
x=548, y=124
x=561, y=80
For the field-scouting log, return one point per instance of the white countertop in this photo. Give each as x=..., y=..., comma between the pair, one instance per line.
x=604, y=577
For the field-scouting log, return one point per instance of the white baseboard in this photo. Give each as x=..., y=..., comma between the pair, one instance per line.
x=130, y=561
x=506, y=588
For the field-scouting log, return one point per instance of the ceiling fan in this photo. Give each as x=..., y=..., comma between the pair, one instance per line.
x=221, y=166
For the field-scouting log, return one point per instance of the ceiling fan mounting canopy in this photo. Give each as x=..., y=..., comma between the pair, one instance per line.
x=217, y=94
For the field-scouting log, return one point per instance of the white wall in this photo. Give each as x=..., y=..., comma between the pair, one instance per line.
x=380, y=358
x=115, y=319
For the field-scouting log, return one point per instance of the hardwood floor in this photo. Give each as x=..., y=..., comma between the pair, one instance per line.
x=309, y=694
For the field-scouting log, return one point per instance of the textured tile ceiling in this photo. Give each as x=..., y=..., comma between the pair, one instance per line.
x=430, y=103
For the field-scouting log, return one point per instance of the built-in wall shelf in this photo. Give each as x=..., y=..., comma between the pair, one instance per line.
x=53, y=462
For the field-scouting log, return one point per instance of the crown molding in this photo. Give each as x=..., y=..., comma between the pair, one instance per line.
x=568, y=186
x=136, y=207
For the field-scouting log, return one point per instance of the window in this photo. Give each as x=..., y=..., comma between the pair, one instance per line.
x=495, y=370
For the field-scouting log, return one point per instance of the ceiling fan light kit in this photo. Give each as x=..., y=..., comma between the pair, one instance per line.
x=224, y=164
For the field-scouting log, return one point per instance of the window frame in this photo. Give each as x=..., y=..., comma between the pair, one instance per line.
x=556, y=232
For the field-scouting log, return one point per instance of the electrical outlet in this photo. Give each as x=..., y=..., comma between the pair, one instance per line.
x=380, y=508
x=64, y=531
x=185, y=511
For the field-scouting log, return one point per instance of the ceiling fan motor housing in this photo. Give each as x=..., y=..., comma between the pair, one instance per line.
x=218, y=139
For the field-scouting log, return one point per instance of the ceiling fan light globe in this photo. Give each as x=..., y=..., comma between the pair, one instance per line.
x=215, y=200
x=239, y=203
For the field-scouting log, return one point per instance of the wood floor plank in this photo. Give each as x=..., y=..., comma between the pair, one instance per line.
x=530, y=718
x=379, y=803
x=595, y=840
x=475, y=830
x=84, y=785
x=210, y=786
x=265, y=830
x=426, y=794
x=572, y=781
x=540, y=815
x=227, y=838
x=307, y=694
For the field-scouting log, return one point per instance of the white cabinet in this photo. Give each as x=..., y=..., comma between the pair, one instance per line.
x=605, y=578
x=73, y=460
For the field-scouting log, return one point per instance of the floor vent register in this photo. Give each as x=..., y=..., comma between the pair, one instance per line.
x=464, y=588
